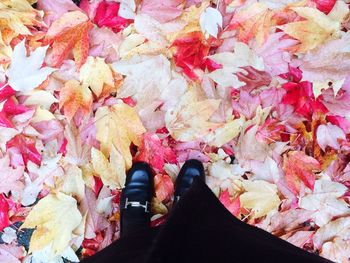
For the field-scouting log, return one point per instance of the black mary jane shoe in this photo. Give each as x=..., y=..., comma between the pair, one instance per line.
x=135, y=201
x=189, y=171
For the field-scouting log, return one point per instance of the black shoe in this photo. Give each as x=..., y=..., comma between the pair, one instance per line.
x=135, y=201
x=189, y=171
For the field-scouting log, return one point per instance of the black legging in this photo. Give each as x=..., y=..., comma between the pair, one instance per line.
x=200, y=229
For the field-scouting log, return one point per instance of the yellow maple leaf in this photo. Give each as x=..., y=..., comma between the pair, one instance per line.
x=120, y=126
x=97, y=75
x=112, y=172
x=253, y=21
x=74, y=97
x=15, y=18
x=54, y=218
x=189, y=119
x=315, y=30
x=260, y=196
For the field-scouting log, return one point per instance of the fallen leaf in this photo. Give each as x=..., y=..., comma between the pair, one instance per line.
x=336, y=228
x=97, y=75
x=120, y=126
x=336, y=250
x=312, y=32
x=153, y=152
x=299, y=169
x=54, y=218
x=11, y=253
x=111, y=172
x=10, y=178
x=260, y=196
x=210, y=21
x=328, y=135
x=69, y=33
x=26, y=73
x=189, y=119
x=164, y=187
x=232, y=204
x=163, y=11
x=232, y=63
x=325, y=201
x=74, y=98
x=252, y=21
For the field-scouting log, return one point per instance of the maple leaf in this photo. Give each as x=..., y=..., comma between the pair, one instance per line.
x=253, y=21
x=328, y=135
x=337, y=228
x=325, y=201
x=10, y=178
x=189, y=119
x=153, y=152
x=299, y=168
x=232, y=63
x=120, y=126
x=95, y=221
x=26, y=73
x=325, y=6
x=329, y=62
x=164, y=187
x=74, y=97
x=210, y=21
x=11, y=253
x=4, y=212
x=97, y=75
x=163, y=11
x=260, y=196
x=16, y=17
x=54, y=218
x=107, y=15
x=232, y=204
x=111, y=172
x=336, y=250
x=69, y=33
x=26, y=147
x=315, y=30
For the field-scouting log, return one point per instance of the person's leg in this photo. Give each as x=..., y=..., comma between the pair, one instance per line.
x=200, y=229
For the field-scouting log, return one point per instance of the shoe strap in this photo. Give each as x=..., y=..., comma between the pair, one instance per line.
x=128, y=204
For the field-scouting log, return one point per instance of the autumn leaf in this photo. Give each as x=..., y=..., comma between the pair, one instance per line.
x=328, y=135
x=325, y=201
x=164, y=187
x=260, y=196
x=10, y=178
x=312, y=32
x=54, y=218
x=69, y=33
x=16, y=17
x=74, y=97
x=232, y=204
x=120, y=126
x=210, y=21
x=153, y=152
x=253, y=21
x=97, y=75
x=189, y=119
x=26, y=73
x=112, y=172
x=299, y=169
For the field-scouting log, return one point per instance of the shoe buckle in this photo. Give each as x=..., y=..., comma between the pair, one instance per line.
x=136, y=204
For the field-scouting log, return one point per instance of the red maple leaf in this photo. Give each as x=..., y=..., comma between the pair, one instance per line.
x=4, y=209
x=26, y=147
x=107, y=15
x=153, y=152
x=325, y=6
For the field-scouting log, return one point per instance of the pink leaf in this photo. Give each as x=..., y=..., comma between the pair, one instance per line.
x=325, y=6
x=232, y=204
x=328, y=135
x=4, y=209
x=10, y=179
x=163, y=11
x=55, y=9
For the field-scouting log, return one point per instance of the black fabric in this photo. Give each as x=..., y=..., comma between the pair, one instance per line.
x=200, y=229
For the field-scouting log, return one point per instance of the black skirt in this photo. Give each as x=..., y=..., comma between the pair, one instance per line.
x=201, y=229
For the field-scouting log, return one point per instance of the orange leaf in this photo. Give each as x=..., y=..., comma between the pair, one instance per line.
x=164, y=186
x=69, y=33
x=74, y=97
x=253, y=21
x=299, y=168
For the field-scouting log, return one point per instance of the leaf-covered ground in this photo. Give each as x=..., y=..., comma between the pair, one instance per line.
x=257, y=90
